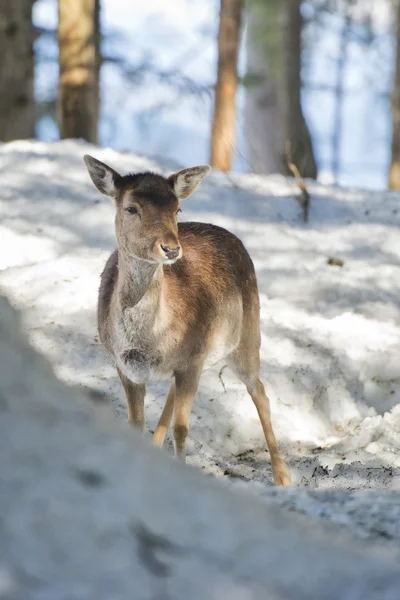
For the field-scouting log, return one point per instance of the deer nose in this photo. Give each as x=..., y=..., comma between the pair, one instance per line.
x=170, y=253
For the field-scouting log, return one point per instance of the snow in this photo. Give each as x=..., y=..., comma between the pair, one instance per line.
x=330, y=335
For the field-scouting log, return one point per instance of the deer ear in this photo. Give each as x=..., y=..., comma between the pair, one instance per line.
x=185, y=182
x=103, y=176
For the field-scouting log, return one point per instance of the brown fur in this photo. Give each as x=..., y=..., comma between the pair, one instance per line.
x=160, y=316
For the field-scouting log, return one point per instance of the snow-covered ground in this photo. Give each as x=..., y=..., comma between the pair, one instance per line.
x=330, y=334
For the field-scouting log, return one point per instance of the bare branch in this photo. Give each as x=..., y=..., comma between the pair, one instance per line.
x=304, y=198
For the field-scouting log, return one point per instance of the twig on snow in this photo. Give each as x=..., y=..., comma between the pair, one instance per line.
x=304, y=198
x=220, y=377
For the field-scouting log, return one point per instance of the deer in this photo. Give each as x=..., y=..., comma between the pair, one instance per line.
x=174, y=299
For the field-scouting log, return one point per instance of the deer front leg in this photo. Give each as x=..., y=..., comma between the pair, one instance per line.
x=165, y=419
x=134, y=394
x=186, y=386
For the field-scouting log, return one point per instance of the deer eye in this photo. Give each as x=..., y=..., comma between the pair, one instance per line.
x=132, y=210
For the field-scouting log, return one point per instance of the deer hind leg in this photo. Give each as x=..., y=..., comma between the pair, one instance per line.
x=165, y=419
x=186, y=386
x=242, y=365
x=279, y=469
x=134, y=400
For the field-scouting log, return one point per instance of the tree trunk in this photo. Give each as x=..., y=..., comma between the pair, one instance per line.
x=78, y=93
x=339, y=93
x=264, y=129
x=275, y=125
x=223, y=128
x=394, y=171
x=97, y=39
x=297, y=136
x=17, y=104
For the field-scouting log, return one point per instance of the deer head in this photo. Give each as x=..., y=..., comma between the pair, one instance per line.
x=147, y=206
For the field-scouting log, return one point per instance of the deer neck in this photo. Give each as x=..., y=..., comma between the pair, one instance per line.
x=137, y=278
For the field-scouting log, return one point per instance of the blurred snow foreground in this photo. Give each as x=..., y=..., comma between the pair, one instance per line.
x=88, y=510
x=330, y=350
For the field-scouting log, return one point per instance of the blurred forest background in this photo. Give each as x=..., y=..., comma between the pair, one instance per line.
x=267, y=86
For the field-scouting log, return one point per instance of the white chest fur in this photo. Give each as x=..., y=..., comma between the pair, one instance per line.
x=138, y=347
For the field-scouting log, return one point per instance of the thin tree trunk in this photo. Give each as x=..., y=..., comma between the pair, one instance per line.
x=339, y=94
x=394, y=171
x=97, y=34
x=223, y=128
x=297, y=135
x=17, y=104
x=78, y=93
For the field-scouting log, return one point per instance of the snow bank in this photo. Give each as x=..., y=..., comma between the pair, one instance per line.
x=330, y=351
x=82, y=516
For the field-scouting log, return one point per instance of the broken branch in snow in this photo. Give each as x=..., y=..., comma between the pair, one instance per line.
x=220, y=377
x=304, y=198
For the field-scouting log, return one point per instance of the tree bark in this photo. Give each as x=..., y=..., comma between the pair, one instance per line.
x=297, y=136
x=97, y=43
x=78, y=93
x=394, y=171
x=17, y=104
x=224, y=122
x=264, y=132
x=276, y=129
